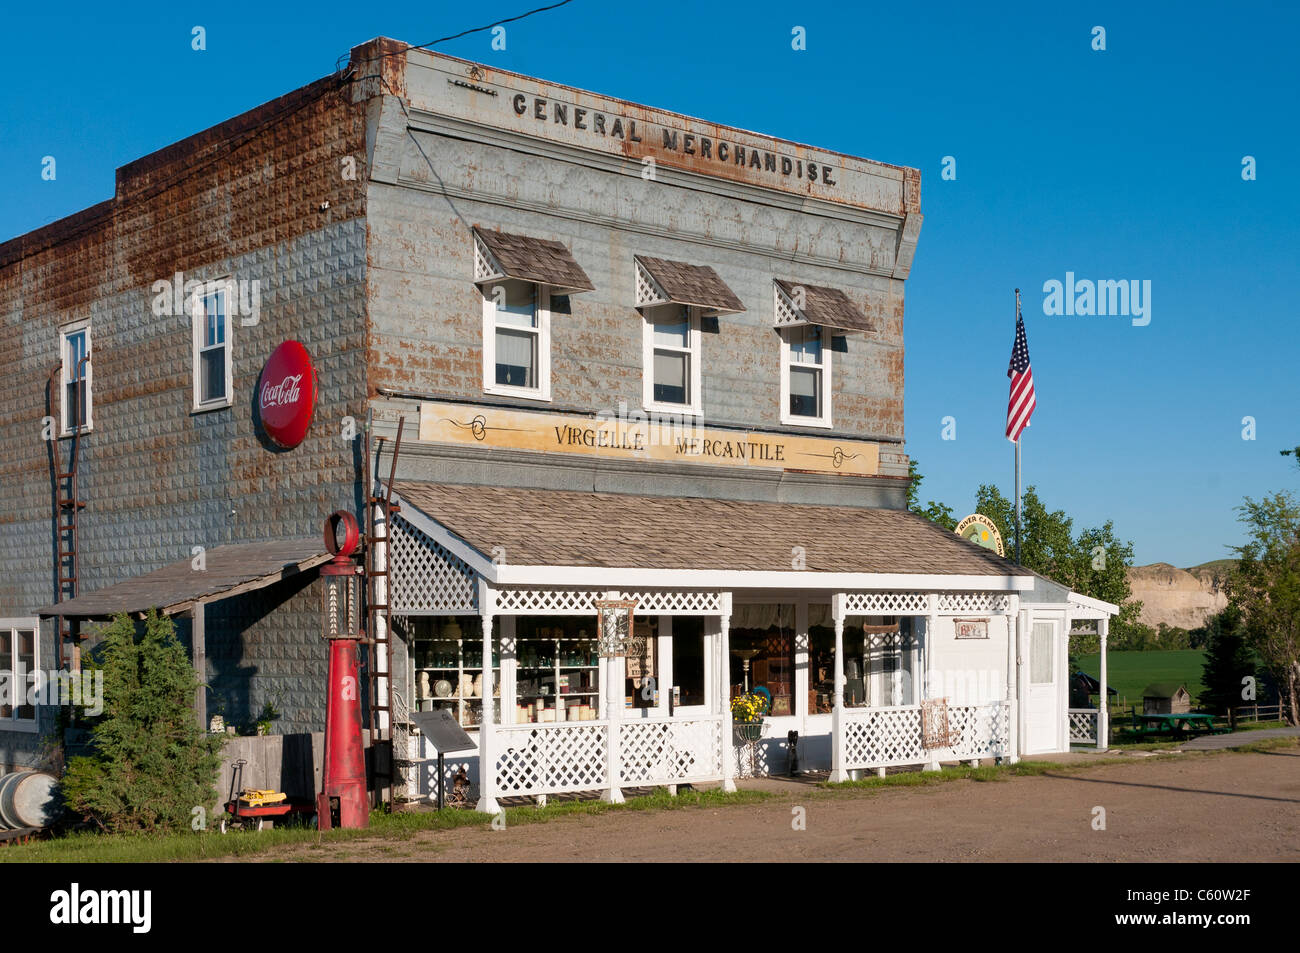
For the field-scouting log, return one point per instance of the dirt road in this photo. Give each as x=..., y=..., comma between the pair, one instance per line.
x=1222, y=807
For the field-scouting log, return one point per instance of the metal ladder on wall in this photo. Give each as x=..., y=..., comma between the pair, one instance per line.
x=382, y=768
x=67, y=505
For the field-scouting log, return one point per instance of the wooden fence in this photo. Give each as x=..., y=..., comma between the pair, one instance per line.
x=288, y=763
x=1256, y=713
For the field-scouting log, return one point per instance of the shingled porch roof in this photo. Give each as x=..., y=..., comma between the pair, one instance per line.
x=227, y=571
x=516, y=527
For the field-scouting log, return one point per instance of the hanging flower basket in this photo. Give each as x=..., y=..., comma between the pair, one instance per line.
x=749, y=731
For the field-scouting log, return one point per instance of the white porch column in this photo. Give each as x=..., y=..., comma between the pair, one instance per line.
x=838, y=770
x=615, y=684
x=1103, y=703
x=724, y=695
x=487, y=773
x=927, y=648
x=1013, y=678
x=927, y=653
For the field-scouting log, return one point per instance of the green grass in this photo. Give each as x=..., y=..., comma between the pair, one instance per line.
x=87, y=847
x=1130, y=672
x=393, y=830
x=1022, y=769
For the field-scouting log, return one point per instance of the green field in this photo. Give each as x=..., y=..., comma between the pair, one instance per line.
x=1130, y=672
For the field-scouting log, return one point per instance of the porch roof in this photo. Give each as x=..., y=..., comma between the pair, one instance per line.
x=497, y=529
x=227, y=571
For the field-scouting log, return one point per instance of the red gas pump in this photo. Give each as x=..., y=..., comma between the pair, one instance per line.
x=342, y=801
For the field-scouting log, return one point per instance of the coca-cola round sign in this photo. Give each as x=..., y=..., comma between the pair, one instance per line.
x=286, y=394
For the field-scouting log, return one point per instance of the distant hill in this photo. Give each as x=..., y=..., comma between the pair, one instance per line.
x=1180, y=597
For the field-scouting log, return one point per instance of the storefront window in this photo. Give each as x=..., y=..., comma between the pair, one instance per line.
x=877, y=663
x=447, y=656
x=762, y=653
x=557, y=668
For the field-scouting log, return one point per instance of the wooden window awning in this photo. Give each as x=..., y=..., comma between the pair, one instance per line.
x=226, y=571
x=801, y=303
x=660, y=281
x=499, y=255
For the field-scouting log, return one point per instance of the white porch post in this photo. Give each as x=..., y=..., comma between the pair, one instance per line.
x=724, y=695
x=614, y=701
x=615, y=684
x=931, y=629
x=1103, y=703
x=487, y=774
x=838, y=753
x=1013, y=678
x=927, y=646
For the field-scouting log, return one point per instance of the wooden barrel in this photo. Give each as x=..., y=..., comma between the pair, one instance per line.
x=28, y=799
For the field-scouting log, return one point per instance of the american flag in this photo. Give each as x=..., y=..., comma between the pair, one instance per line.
x=1021, y=403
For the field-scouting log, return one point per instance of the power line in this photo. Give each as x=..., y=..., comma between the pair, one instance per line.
x=338, y=64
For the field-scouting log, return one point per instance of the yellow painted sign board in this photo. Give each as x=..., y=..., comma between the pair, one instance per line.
x=638, y=436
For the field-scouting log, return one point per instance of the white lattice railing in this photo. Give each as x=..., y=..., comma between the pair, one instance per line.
x=882, y=737
x=551, y=759
x=538, y=759
x=669, y=752
x=1083, y=726
x=891, y=737
x=982, y=731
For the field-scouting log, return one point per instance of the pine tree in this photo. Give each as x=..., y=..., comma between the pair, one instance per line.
x=1228, y=662
x=150, y=764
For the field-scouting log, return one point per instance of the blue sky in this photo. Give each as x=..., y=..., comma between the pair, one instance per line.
x=1122, y=164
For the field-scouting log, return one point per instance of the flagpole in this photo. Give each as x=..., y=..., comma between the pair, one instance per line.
x=1018, y=436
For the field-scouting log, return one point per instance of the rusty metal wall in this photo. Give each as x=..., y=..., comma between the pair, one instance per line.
x=426, y=313
x=262, y=197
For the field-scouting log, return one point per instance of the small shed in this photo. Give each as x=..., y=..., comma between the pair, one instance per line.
x=1166, y=698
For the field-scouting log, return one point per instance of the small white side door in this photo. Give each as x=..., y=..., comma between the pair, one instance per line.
x=1041, y=692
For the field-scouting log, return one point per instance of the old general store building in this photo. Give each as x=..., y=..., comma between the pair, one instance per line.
x=631, y=355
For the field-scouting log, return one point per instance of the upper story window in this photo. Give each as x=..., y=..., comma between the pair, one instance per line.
x=517, y=339
x=671, y=358
x=812, y=321
x=76, y=405
x=805, y=376
x=522, y=281
x=674, y=297
x=213, y=363
x=19, y=656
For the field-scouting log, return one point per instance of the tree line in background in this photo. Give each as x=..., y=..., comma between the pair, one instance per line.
x=1093, y=562
x=1252, y=647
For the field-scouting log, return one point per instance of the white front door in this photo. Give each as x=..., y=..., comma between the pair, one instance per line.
x=1042, y=694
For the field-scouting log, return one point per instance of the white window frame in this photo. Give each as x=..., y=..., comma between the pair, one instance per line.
x=65, y=378
x=827, y=339
x=696, y=406
x=198, y=324
x=490, y=386
x=14, y=723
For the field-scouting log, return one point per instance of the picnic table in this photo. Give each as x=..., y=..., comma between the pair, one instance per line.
x=1173, y=725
